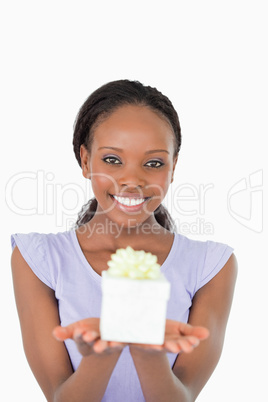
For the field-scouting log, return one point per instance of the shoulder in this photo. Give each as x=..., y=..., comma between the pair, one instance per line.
x=40, y=243
x=42, y=252
x=185, y=245
x=221, y=285
x=39, y=239
x=199, y=260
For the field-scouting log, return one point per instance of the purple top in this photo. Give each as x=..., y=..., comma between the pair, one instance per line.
x=58, y=261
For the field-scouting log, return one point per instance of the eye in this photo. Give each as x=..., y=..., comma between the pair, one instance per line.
x=154, y=164
x=111, y=160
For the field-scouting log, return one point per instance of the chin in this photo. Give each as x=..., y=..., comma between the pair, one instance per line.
x=129, y=221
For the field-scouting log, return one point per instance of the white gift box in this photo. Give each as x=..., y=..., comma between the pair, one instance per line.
x=134, y=310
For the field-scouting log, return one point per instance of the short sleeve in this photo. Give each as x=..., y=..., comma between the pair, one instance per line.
x=217, y=254
x=33, y=248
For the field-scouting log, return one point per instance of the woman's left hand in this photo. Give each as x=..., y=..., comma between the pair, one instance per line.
x=179, y=337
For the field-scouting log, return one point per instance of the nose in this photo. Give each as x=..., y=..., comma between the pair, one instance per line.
x=131, y=177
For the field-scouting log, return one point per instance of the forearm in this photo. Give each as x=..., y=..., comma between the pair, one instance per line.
x=158, y=382
x=89, y=381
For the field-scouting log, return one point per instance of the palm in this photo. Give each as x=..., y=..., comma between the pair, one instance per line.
x=86, y=334
x=179, y=337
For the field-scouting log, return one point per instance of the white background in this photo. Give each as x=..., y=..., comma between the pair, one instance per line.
x=210, y=58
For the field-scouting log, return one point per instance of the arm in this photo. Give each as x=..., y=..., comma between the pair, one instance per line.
x=210, y=308
x=48, y=358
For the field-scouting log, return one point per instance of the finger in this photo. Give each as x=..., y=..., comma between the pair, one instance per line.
x=179, y=346
x=78, y=334
x=197, y=331
x=83, y=347
x=90, y=336
x=114, y=344
x=173, y=347
x=100, y=345
x=193, y=341
x=200, y=332
x=185, y=345
x=71, y=330
x=62, y=333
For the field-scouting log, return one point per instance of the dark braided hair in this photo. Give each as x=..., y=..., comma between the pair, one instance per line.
x=100, y=105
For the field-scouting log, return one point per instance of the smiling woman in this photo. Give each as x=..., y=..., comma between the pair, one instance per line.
x=126, y=140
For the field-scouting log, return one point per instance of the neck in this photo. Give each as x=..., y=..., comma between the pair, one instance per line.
x=113, y=235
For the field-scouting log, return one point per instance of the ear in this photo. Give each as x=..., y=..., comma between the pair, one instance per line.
x=85, y=161
x=173, y=169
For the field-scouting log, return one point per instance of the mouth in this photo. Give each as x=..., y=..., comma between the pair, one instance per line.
x=129, y=203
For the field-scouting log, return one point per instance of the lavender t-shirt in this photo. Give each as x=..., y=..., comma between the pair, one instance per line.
x=58, y=261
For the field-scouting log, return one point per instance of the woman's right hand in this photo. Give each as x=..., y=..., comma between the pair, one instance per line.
x=86, y=334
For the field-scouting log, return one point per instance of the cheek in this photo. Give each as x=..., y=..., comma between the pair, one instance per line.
x=103, y=182
x=100, y=177
x=159, y=187
x=162, y=181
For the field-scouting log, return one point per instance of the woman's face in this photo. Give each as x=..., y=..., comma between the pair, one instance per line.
x=130, y=164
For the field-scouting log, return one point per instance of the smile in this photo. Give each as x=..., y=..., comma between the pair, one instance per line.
x=129, y=202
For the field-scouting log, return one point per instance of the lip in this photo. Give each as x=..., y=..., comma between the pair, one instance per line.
x=130, y=195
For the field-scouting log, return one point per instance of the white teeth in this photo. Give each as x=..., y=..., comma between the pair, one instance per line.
x=129, y=201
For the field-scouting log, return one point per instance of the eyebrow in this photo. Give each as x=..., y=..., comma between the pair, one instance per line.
x=152, y=151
